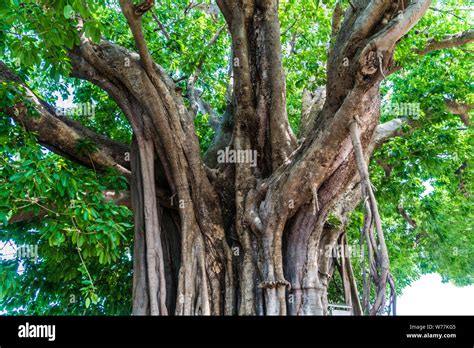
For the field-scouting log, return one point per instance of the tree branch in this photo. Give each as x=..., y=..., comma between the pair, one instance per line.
x=448, y=41
x=225, y=7
x=407, y=217
x=62, y=135
x=336, y=20
x=194, y=96
x=133, y=14
x=419, y=236
x=143, y=7
x=392, y=128
x=400, y=25
x=385, y=131
x=460, y=109
x=451, y=12
x=312, y=104
x=119, y=198
x=160, y=25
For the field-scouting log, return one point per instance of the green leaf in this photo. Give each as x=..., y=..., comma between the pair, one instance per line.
x=94, y=298
x=92, y=31
x=68, y=11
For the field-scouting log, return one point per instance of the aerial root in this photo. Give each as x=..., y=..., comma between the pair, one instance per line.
x=377, y=249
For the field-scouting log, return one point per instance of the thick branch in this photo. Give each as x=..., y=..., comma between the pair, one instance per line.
x=62, y=135
x=336, y=20
x=400, y=25
x=259, y=80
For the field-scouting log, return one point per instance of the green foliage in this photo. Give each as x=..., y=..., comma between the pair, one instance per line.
x=9, y=94
x=84, y=242
x=333, y=222
x=203, y=131
x=305, y=28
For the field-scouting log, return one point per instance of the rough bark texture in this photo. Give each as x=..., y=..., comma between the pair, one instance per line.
x=231, y=238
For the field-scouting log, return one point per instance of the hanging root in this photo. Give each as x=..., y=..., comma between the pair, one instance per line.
x=377, y=249
x=351, y=294
x=392, y=308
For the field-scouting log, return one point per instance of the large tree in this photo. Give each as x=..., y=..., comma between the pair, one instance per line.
x=216, y=230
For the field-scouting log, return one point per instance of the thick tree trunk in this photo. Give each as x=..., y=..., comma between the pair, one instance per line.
x=244, y=239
